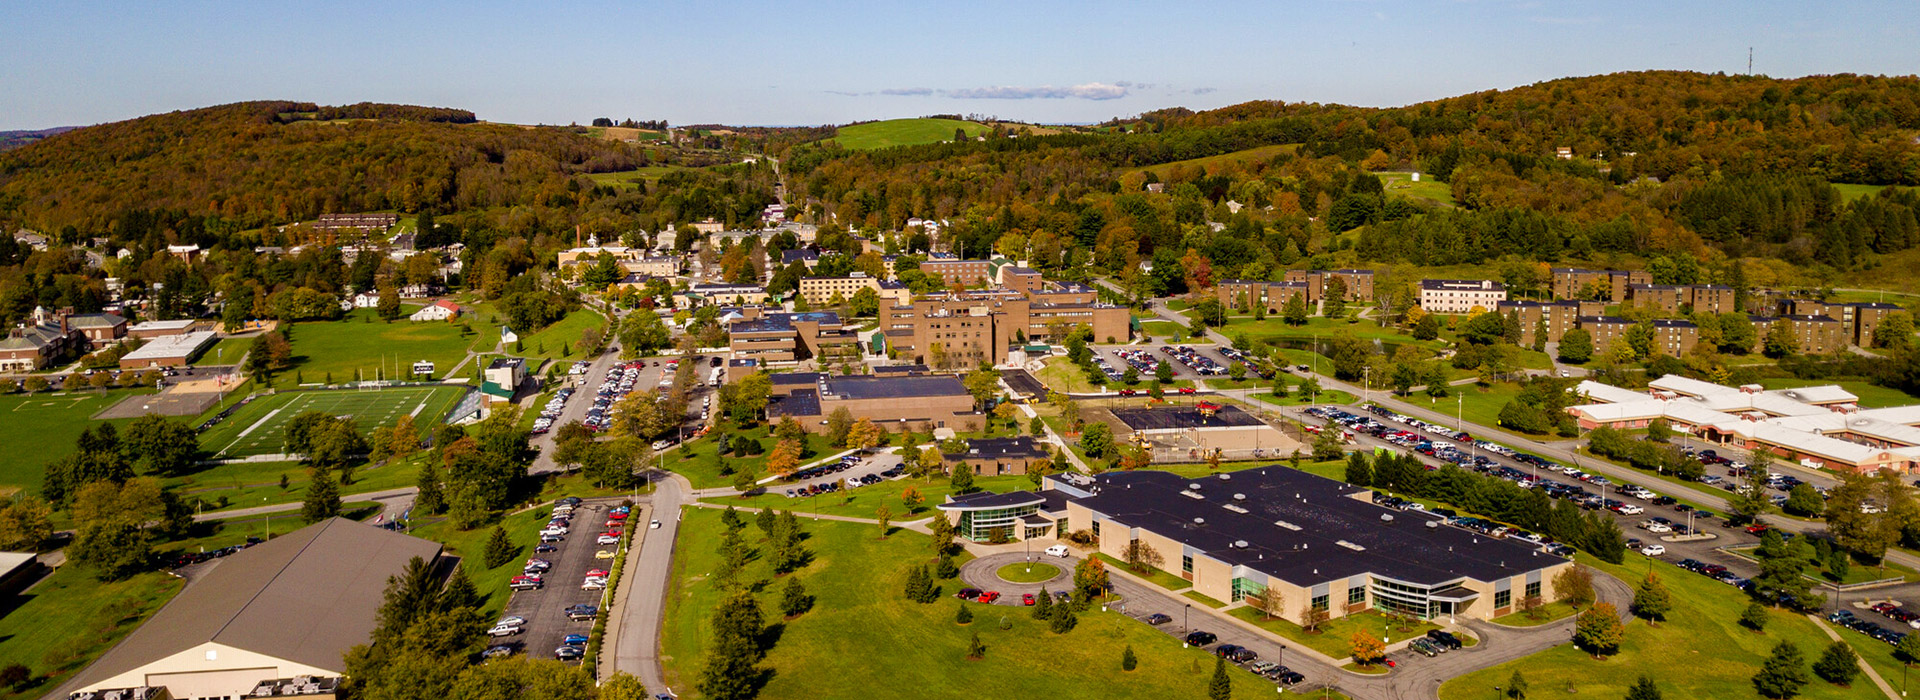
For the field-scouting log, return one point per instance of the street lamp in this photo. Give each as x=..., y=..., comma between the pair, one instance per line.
x=1183, y=617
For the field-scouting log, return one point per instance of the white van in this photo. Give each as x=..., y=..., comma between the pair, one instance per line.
x=1058, y=550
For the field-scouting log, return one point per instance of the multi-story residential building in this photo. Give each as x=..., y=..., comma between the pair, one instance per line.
x=723, y=295
x=1663, y=299
x=819, y=291
x=1235, y=294
x=977, y=326
x=1606, y=285
x=1359, y=283
x=1020, y=279
x=1711, y=298
x=1670, y=337
x=1858, y=320
x=1460, y=296
x=1561, y=316
x=951, y=271
x=1816, y=334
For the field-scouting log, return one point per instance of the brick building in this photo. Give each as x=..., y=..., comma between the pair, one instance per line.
x=1670, y=337
x=975, y=327
x=1561, y=316
x=787, y=337
x=1359, y=283
x=962, y=272
x=894, y=403
x=1233, y=294
x=1460, y=296
x=1608, y=285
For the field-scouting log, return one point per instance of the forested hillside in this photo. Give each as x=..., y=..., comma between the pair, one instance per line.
x=1712, y=166
x=254, y=163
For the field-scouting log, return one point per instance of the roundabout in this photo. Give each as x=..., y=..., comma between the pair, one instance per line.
x=1007, y=573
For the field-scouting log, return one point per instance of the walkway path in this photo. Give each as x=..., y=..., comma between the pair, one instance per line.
x=645, y=585
x=384, y=496
x=1885, y=687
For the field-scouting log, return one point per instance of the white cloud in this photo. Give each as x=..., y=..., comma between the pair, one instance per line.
x=1087, y=91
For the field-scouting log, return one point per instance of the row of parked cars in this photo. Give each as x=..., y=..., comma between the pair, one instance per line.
x=1193, y=360
x=534, y=572
x=191, y=558
x=1254, y=366
x=551, y=411
x=1846, y=618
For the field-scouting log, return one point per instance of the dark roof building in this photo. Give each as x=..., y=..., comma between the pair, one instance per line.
x=289, y=607
x=996, y=456
x=922, y=402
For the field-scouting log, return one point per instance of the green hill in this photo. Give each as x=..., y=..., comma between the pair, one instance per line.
x=903, y=132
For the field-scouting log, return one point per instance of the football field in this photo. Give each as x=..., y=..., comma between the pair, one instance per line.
x=260, y=427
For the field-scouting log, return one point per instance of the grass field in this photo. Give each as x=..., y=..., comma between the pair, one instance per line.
x=523, y=530
x=226, y=352
x=259, y=427
x=701, y=470
x=1701, y=651
x=903, y=132
x=1335, y=398
x=49, y=423
x=337, y=348
x=859, y=613
x=1165, y=170
x=1335, y=638
x=625, y=179
x=1062, y=375
x=864, y=501
x=69, y=619
x=1851, y=192
x=562, y=339
x=1163, y=329
x=1427, y=188
x=248, y=484
x=1871, y=395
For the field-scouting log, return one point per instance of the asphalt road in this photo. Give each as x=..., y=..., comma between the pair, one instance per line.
x=545, y=608
x=645, y=585
x=576, y=408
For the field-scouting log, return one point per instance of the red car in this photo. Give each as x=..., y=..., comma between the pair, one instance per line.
x=597, y=572
x=989, y=596
x=1128, y=392
x=1026, y=599
x=616, y=516
x=1756, y=529
x=1186, y=390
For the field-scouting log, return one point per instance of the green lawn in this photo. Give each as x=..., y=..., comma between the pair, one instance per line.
x=1028, y=572
x=1871, y=395
x=1850, y=192
x=562, y=339
x=1335, y=638
x=48, y=423
x=1477, y=404
x=259, y=427
x=362, y=342
x=903, y=132
x=249, y=484
x=226, y=352
x=1202, y=599
x=859, y=613
x=625, y=179
x=1156, y=577
x=68, y=619
x=523, y=530
x=1427, y=188
x=1701, y=651
x=1251, y=155
x=1877, y=654
x=1547, y=613
x=1062, y=375
x=1164, y=330
x=1295, y=398
x=702, y=471
x=863, y=502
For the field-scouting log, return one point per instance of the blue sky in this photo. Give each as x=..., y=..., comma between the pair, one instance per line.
x=835, y=62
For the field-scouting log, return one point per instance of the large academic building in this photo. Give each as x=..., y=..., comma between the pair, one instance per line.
x=1321, y=543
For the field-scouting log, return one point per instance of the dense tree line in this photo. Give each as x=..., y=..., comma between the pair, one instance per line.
x=1500, y=499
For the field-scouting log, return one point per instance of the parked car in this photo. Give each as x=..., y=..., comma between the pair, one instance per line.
x=505, y=630
x=604, y=554
x=1200, y=638
x=1156, y=619
x=1058, y=550
x=1653, y=550
x=495, y=652
x=569, y=653
x=1026, y=599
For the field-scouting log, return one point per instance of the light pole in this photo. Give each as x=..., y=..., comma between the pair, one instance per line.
x=1183, y=617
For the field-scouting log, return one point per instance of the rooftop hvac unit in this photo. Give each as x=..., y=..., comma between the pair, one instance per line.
x=1239, y=497
x=1240, y=544
x=1386, y=518
x=1433, y=523
x=1194, y=486
x=1226, y=477
x=1199, y=521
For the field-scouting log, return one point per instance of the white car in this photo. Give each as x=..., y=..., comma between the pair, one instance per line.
x=504, y=630
x=593, y=584
x=511, y=620
x=1058, y=550
x=655, y=525
x=1658, y=528
x=1630, y=509
x=607, y=539
x=1653, y=550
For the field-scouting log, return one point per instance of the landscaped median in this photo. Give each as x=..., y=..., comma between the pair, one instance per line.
x=1156, y=577
x=597, y=638
x=1335, y=638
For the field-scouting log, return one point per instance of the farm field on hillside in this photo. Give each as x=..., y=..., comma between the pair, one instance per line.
x=903, y=132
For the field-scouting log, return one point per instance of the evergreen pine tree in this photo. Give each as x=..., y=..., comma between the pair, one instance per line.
x=1221, y=687
x=1643, y=689
x=1517, y=686
x=1784, y=672
x=1043, y=605
x=1062, y=619
x=1837, y=665
x=918, y=585
x=795, y=600
x=976, y=650
x=1650, y=600
x=1128, y=661
x=323, y=497
x=945, y=568
x=1755, y=618
x=964, y=616
x=499, y=549
x=429, y=499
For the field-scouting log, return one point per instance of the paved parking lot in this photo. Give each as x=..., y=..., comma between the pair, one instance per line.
x=1181, y=372
x=545, y=609
x=871, y=464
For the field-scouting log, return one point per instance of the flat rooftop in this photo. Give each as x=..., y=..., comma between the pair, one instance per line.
x=799, y=403
x=1181, y=417
x=171, y=346
x=1305, y=529
x=894, y=387
x=1023, y=382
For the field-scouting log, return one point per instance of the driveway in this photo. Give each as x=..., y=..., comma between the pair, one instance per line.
x=645, y=584
x=545, y=609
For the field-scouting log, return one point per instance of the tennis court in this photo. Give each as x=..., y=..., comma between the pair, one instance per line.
x=259, y=428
